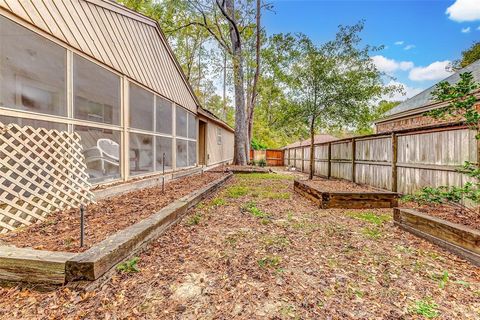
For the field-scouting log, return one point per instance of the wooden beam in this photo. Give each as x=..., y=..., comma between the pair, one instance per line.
x=459, y=239
x=33, y=266
x=347, y=200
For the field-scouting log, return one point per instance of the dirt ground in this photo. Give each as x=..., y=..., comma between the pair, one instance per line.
x=257, y=250
x=338, y=185
x=60, y=231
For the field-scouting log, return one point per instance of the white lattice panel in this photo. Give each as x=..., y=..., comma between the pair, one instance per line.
x=41, y=171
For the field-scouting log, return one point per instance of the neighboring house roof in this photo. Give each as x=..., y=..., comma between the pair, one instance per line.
x=424, y=98
x=123, y=39
x=319, y=138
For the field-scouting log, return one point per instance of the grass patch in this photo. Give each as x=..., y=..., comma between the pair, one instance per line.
x=372, y=233
x=251, y=207
x=441, y=278
x=274, y=242
x=218, y=202
x=371, y=217
x=129, y=266
x=194, y=219
x=264, y=176
x=237, y=191
x=277, y=195
x=269, y=262
x=426, y=308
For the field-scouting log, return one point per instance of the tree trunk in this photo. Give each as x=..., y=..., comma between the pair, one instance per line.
x=253, y=99
x=312, y=148
x=241, y=130
x=224, y=86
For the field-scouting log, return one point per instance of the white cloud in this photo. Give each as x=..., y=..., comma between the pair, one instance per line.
x=464, y=10
x=399, y=43
x=434, y=71
x=409, y=46
x=408, y=91
x=390, y=65
x=466, y=30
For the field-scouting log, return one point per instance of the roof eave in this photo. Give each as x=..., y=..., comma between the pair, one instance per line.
x=421, y=109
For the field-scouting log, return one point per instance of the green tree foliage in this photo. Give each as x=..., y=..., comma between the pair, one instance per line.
x=469, y=56
x=204, y=58
x=334, y=84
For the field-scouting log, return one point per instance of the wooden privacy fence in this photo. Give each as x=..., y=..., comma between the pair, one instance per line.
x=403, y=161
x=273, y=157
x=42, y=171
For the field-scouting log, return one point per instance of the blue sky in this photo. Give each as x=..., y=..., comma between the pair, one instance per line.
x=420, y=37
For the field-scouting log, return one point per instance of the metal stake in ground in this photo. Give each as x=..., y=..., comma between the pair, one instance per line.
x=163, y=168
x=82, y=225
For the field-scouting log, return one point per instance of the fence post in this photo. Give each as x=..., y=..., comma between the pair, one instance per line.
x=394, y=162
x=329, y=160
x=353, y=159
x=303, y=159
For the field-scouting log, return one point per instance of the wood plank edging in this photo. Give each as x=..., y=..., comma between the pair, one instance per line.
x=93, y=263
x=347, y=200
x=456, y=238
x=36, y=266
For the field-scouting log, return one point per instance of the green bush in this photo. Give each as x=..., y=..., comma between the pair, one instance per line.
x=262, y=163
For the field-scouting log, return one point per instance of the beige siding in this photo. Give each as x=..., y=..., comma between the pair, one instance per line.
x=123, y=40
x=217, y=153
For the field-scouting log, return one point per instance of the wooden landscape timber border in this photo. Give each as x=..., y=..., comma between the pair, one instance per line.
x=456, y=238
x=58, y=268
x=347, y=200
x=247, y=170
x=36, y=266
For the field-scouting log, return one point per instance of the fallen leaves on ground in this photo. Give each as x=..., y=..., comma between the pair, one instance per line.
x=280, y=257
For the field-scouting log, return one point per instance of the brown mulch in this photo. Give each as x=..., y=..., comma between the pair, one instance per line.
x=338, y=185
x=61, y=230
x=470, y=218
x=287, y=259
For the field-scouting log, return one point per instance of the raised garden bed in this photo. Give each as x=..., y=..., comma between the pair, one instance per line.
x=247, y=169
x=330, y=193
x=141, y=216
x=432, y=224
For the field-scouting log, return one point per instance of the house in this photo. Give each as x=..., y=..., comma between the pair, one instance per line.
x=106, y=72
x=410, y=113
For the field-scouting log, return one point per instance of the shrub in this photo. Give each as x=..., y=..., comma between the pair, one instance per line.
x=262, y=163
x=461, y=100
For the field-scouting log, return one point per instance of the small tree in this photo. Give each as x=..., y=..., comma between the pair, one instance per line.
x=461, y=104
x=335, y=84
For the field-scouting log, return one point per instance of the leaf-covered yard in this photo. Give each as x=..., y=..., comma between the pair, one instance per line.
x=257, y=250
